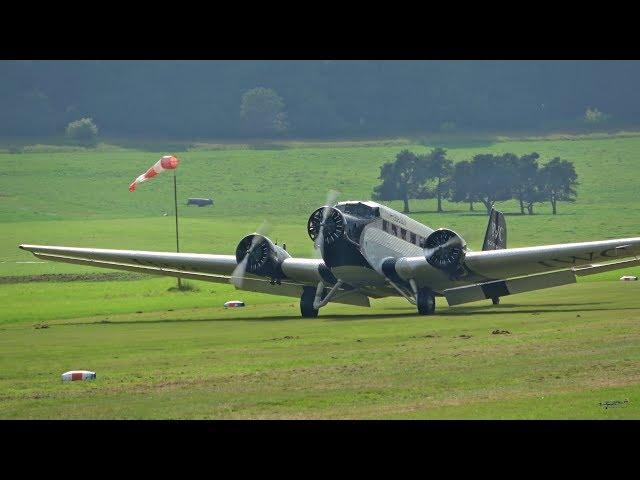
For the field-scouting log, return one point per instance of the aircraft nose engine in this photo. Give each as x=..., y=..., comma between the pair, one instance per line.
x=264, y=258
x=445, y=249
x=326, y=224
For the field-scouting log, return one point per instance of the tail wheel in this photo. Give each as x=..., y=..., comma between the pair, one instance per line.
x=495, y=300
x=306, y=303
x=426, y=301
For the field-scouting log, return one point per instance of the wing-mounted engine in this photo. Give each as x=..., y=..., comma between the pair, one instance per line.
x=445, y=250
x=263, y=257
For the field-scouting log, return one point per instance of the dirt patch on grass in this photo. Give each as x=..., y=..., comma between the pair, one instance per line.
x=72, y=277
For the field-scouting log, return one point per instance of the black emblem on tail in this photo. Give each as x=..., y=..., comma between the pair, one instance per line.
x=496, y=236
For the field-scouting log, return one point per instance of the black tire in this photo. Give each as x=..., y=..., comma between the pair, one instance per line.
x=306, y=303
x=495, y=300
x=426, y=302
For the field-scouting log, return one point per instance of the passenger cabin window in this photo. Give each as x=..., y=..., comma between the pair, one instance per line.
x=413, y=238
x=394, y=230
x=403, y=233
x=385, y=225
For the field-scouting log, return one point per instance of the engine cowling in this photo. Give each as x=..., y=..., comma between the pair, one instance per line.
x=265, y=258
x=445, y=249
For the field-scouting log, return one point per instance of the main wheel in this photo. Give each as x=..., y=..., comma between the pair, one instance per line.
x=495, y=300
x=426, y=301
x=306, y=302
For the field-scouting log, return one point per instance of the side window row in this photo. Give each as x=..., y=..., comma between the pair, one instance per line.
x=401, y=233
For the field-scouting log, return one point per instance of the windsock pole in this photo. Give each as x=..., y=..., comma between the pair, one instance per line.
x=175, y=202
x=168, y=162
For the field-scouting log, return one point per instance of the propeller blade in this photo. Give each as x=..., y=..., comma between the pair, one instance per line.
x=331, y=200
x=237, y=277
x=430, y=251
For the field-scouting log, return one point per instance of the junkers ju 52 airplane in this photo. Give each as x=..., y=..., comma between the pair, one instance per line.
x=366, y=250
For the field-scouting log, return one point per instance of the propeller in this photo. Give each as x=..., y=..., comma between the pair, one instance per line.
x=428, y=252
x=318, y=243
x=237, y=277
x=444, y=249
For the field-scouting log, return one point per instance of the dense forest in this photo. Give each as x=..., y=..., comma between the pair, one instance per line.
x=314, y=99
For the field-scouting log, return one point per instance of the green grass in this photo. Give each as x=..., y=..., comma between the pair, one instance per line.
x=184, y=356
x=568, y=350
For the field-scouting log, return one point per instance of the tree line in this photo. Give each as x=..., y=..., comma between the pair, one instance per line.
x=486, y=178
x=315, y=99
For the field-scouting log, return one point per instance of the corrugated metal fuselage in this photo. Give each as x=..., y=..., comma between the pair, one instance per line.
x=357, y=257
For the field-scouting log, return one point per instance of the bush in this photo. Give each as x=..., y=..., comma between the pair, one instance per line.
x=447, y=126
x=83, y=132
x=595, y=116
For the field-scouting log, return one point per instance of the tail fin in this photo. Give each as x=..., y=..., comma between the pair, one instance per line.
x=496, y=236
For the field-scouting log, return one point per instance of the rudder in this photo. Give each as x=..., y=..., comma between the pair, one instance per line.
x=496, y=236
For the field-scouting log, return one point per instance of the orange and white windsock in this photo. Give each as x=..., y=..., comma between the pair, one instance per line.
x=168, y=162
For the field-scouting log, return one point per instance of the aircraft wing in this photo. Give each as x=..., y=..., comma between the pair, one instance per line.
x=513, y=262
x=300, y=272
x=496, y=273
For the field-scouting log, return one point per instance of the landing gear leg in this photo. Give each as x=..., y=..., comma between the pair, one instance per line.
x=426, y=301
x=495, y=300
x=306, y=303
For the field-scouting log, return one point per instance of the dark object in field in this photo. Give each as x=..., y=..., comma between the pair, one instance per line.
x=614, y=403
x=38, y=326
x=501, y=332
x=286, y=337
x=465, y=336
x=201, y=202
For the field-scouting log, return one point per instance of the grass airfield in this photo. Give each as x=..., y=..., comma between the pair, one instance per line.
x=567, y=351
x=160, y=353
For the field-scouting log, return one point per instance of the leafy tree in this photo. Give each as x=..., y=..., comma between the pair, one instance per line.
x=462, y=184
x=83, y=132
x=532, y=189
x=491, y=177
x=558, y=179
x=534, y=195
x=262, y=112
x=438, y=169
x=402, y=179
x=526, y=180
x=594, y=116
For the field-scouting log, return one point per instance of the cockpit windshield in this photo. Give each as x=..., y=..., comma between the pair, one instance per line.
x=359, y=209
